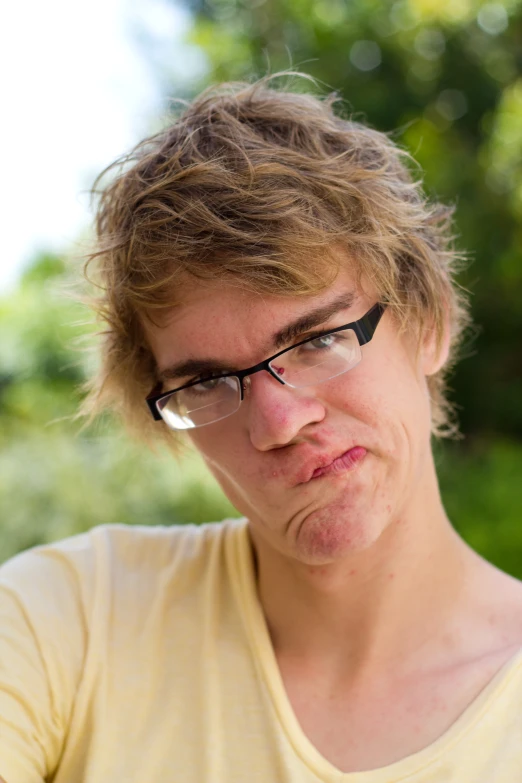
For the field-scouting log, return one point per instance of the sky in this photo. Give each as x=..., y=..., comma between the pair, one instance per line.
x=77, y=91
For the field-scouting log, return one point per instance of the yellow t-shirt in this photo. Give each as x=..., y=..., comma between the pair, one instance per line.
x=140, y=655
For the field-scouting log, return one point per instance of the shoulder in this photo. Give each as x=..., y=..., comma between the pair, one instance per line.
x=66, y=594
x=108, y=557
x=74, y=609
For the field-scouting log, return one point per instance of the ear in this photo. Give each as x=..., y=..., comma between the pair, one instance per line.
x=434, y=356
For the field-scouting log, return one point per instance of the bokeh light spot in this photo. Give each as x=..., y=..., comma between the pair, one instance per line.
x=365, y=55
x=430, y=43
x=493, y=18
x=452, y=104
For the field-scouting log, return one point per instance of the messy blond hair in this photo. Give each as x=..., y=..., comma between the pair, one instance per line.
x=256, y=185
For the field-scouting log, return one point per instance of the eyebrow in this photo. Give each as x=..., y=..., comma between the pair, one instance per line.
x=203, y=367
x=312, y=319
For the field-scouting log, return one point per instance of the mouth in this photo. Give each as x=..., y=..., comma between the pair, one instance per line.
x=345, y=462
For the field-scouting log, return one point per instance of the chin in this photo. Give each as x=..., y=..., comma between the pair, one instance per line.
x=329, y=534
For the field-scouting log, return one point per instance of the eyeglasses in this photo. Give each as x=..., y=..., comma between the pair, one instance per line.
x=310, y=362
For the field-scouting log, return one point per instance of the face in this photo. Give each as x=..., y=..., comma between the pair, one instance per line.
x=319, y=471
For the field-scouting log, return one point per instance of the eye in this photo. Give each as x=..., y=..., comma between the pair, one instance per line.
x=208, y=385
x=205, y=387
x=320, y=343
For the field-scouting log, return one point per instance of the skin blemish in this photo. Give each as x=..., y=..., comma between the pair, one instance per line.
x=317, y=570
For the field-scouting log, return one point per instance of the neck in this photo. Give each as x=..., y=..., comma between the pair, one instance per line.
x=376, y=608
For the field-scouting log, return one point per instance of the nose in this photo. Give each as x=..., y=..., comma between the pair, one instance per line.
x=277, y=413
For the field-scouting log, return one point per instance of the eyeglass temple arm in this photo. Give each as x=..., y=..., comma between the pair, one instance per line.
x=367, y=325
x=150, y=400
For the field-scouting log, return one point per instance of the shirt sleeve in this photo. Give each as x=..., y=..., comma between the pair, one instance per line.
x=42, y=643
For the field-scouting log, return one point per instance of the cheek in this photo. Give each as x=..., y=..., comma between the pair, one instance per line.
x=360, y=395
x=224, y=452
x=373, y=388
x=389, y=401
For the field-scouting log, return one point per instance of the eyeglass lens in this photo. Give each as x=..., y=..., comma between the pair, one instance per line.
x=318, y=359
x=204, y=403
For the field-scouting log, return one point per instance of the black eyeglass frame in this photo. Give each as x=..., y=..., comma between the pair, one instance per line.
x=364, y=329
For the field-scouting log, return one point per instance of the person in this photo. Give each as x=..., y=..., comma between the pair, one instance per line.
x=277, y=292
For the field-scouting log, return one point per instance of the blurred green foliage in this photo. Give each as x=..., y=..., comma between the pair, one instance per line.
x=445, y=77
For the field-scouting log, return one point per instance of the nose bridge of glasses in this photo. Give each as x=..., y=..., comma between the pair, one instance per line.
x=245, y=378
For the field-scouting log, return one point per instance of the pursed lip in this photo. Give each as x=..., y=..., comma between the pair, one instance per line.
x=325, y=464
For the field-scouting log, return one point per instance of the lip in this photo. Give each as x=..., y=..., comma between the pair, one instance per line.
x=328, y=465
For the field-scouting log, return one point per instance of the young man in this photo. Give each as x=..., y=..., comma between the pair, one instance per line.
x=274, y=275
